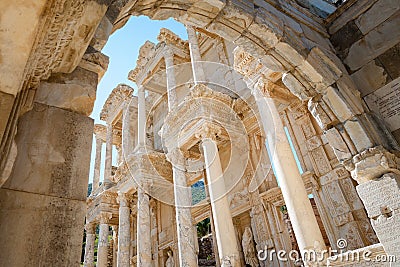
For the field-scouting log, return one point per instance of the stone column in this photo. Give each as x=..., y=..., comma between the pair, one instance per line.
x=339, y=206
x=89, y=247
x=114, y=242
x=128, y=130
x=97, y=163
x=171, y=82
x=195, y=56
x=214, y=242
x=141, y=119
x=144, y=257
x=182, y=192
x=124, y=232
x=300, y=211
x=224, y=229
x=108, y=162
x=102, y=249
x=362, y=143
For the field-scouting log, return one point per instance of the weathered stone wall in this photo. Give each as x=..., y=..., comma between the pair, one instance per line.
x=366, y=37
x=43, y=203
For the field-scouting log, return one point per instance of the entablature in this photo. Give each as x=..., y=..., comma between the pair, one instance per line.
x=116, y=102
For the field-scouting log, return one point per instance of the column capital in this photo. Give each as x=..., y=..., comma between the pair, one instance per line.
x=109, y=126
x=90, y=228
x=168, y=53
x=144, y=187
x=123, y=199
x=266, y=88
x=177, y=157
x=98, y=138
x=191, y=31
x=105, y=217
x=321, y=112
x=208, y=130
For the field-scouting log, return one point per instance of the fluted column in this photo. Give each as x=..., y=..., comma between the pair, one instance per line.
x=108, y=161
x=97, y=163
x=89, y=247
x=195, y=56
x=124, y=232
x=299, y=208
x=224, y=230
x=143, y=229
x=102, y=249
x=171, y=82
x=187, y=247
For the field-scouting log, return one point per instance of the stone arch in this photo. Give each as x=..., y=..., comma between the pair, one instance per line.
x=282, y=36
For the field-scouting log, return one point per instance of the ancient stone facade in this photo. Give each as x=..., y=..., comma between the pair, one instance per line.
x=302, y=90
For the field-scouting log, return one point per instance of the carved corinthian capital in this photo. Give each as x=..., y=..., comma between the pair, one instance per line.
x=321, y=112
x=276, y=90
x=105, y=217
x=90, y=228
x=177, y=158
x=123, y=200
x=208, y=131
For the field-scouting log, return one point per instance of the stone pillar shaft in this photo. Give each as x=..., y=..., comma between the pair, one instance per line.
x=124, y=232
x=102, y=250
x=89, y=247
x=144, y=258
x=171, y=82
x=214, y=242
x=97, y=163
x=114, y=242
x=128, y=130
x=187, y=247
x=223, y=224
x=108, y=161
x=195, y=56
x=300, y=211
x=141, y=118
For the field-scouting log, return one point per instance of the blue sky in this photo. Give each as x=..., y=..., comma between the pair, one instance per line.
x=122, y=48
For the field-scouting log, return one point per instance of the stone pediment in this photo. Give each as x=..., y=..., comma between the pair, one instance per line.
x=115, y=100
x=200, y=106
x=150, y=55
